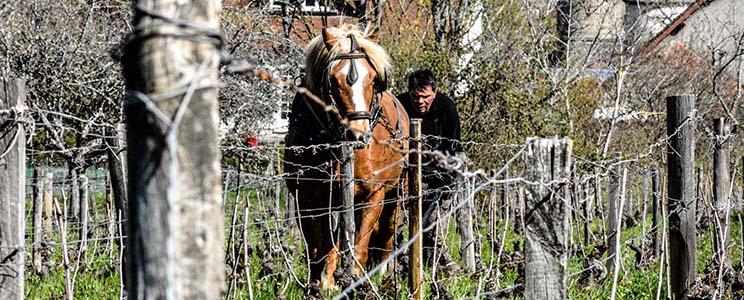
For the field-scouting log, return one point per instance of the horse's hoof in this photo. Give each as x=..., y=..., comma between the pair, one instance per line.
x=328, y=284
x=384, y=269
x=358, y=272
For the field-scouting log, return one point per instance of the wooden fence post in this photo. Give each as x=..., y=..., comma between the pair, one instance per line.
x=465, y=227
x=587, y=215
x=721, y=190
x=176, y=224
x=656, y=218
x=277, y=167
x=645, y=186
x=681, y=193
x=347, y=214
x=598, y=202
x=12, y=188
x=38, y=197
x=547, y=164
x=415, y=194
x=116, y=165
x=701, y=196
x=48, y=203
x=72, y=177
x=84, y=212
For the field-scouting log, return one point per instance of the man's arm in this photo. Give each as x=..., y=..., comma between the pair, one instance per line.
x=452, y=129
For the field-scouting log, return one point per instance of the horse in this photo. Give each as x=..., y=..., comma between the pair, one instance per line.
x=347, y=100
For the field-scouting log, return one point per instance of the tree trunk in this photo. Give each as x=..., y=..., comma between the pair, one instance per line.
x=681, y=193
x=12, y=188
x=548, y=163
x=176, y=230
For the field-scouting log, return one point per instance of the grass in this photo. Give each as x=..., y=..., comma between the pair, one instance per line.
x=98, y=276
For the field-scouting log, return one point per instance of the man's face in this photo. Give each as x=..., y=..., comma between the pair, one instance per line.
x=423, y=98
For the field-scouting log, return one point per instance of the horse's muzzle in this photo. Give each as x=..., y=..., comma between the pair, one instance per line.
x=353, y=135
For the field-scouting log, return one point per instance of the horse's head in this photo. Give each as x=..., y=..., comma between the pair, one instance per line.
x=353, y=78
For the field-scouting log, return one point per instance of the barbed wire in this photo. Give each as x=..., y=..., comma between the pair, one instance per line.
x=489, y=180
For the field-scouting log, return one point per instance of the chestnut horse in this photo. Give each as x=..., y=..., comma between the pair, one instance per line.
x=347, y=70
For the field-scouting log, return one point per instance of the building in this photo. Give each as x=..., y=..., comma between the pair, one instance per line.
x=712, y=30
x=597, y=31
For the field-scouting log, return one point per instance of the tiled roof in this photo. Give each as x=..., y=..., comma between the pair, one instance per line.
x=675, y=25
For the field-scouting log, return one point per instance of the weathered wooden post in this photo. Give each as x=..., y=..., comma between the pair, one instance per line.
x=48, y=202
x=701, y=196
x=12, y=187
x=465, y=228
x=721, y=190
x=84, y=213
x=415, y=194
x=72, y=177
x=348, y=226
x=277, y=167
x=615, y=214
x=645, y=186
x=656, y=219
x=630, y=204
x=681, y=193
x=38, y=197
x=598, y=201
x=110, y=218
x=176, y=224
x=548, y=162
x=587, y=215
x=116, y=165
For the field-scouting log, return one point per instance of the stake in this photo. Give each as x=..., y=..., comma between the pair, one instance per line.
x=681, y=193
x=416, y=268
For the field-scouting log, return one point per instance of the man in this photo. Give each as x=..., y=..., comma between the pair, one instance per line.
x=440, y=129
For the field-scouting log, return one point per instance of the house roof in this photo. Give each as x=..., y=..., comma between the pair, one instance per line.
x=647, y=2
x=675, y=25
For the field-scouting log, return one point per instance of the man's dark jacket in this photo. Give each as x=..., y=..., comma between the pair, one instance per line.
x=440, y=128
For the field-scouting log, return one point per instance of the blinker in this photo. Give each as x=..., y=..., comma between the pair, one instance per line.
x=352, y=76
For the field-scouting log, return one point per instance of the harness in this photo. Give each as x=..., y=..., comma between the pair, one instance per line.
x=331, y=128
x=375, y=110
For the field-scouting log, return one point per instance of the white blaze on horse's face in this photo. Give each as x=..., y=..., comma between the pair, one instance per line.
x=358, y=94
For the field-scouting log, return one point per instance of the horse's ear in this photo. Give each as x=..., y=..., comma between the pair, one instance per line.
x=372, y=33
x=329, y=39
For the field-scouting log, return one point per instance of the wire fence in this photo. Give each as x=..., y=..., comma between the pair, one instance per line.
x=266, y=253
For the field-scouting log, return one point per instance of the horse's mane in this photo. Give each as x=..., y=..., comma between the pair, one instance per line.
x=318, y=58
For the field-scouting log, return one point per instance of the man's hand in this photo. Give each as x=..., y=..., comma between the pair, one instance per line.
x=456, y=162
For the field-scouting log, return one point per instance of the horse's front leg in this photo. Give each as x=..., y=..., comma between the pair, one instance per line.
x=382, y=241
x=368, y=215
x=319, y=236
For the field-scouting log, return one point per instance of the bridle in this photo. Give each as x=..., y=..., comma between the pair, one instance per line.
x=375, y=111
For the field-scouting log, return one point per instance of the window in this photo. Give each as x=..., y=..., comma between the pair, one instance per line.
x=308, y=6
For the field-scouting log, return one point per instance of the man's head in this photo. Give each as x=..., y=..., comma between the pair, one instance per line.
x=422, y=87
